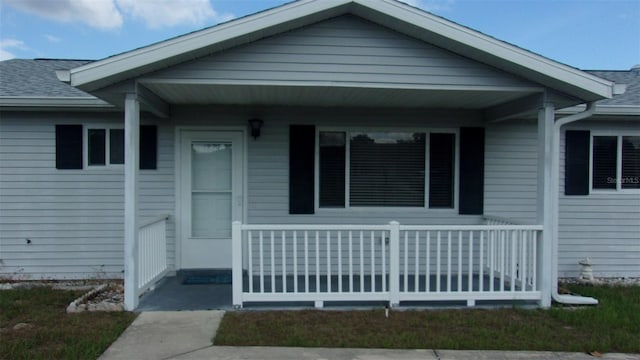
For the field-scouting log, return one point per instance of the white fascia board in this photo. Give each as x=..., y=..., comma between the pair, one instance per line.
x=614, y=110
x=347, y=84
x=52, y=102
x=83, y=76
x=491, y=46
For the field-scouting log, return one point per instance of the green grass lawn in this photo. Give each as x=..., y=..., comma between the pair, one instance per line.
x=50, y=332
x=612, y=326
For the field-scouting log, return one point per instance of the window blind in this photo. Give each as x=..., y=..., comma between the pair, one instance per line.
x=387, y=169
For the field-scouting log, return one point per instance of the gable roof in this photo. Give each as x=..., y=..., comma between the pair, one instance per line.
x=389, y=13
x=33, y=83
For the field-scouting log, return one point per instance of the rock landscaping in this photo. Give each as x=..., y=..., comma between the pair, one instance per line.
x=105, y=297
x=100, y=295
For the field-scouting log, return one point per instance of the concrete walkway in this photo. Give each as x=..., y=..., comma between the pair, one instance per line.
x=187, y=335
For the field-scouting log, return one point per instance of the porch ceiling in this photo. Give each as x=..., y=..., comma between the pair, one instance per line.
x=331, y=95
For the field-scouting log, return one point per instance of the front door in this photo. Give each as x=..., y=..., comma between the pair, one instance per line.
x=211, y=196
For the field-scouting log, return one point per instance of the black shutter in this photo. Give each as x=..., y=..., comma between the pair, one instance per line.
x=148, y=147
x=68, y=146
x=301, y=169
x=471, y=200
x=576, y=165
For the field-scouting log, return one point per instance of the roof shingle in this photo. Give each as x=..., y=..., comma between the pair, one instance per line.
x=37, y=78
x=629, y=77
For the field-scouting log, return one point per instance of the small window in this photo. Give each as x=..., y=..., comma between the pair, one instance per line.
x=605, y=149
x=630, y=162
x=116, y=146
x=332, y=169
x=442, y=151
x=96, y=147
x=105, y=147
x=615, y=162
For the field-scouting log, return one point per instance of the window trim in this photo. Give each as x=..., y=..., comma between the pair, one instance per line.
x=619, y=135
x=85, y=146
x=390, y=209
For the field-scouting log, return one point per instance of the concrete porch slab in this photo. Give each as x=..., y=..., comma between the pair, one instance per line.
x=171, y=294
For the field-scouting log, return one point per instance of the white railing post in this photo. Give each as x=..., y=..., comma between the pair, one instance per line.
x=394, y=263
x=236, y=267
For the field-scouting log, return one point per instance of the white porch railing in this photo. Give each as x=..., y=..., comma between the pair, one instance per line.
x=152, y=253
x=394, y=263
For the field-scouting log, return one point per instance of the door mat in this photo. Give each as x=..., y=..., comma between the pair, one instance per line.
x=200, y=279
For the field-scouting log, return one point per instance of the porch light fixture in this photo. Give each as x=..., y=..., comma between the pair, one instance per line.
x=256, y=125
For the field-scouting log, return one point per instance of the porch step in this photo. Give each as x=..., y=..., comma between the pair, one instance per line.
x=206, y=276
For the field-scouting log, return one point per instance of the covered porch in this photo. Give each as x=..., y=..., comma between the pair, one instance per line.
x=360, y=78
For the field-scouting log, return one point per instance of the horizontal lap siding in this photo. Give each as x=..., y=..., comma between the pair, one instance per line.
x=73, y=218
x=342, y=50
x=602, y=226
x=511, y=162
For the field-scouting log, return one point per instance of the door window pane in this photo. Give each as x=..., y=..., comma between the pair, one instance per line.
x=96, y=145
x=211, y=166
x=211, y=215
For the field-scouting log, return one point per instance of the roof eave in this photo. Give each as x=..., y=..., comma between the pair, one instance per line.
x=44, y=102
x=414, y=22
x=605, y=110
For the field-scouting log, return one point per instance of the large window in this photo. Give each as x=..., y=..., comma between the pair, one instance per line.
x=615, y=162
x=386, y=169
x=104, y=146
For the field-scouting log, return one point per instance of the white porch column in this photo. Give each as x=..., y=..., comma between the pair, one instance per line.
x=131, y=153
x=546, y=192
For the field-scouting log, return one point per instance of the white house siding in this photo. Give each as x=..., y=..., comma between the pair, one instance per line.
x=343, y=50
x=602, y=226
x=73, y=218
x=511, y=161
